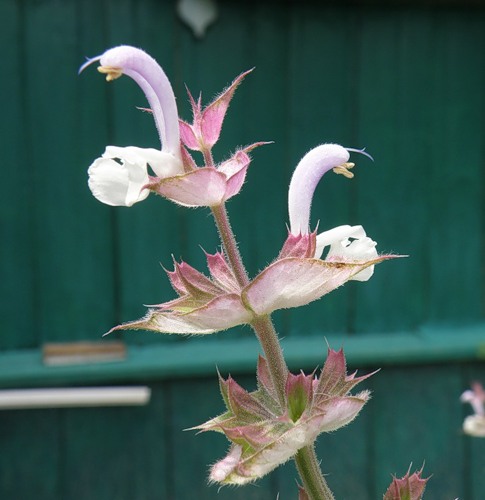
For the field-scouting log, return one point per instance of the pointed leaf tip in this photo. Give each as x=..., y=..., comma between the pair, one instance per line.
x=214, y=114
x=409, y=487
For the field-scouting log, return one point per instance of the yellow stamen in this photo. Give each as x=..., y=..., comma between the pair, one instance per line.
x=111, y=72
x=344, y=169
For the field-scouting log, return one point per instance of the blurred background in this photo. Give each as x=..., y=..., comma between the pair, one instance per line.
x=404, y=79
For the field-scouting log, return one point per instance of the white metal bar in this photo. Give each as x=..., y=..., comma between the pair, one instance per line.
x=15, y=399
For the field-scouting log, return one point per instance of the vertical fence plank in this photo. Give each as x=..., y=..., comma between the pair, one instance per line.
x=264, y=113
x=457, y=168
x=16, y=260
x=67, y=250
x=208, y=65
x=380, y=210
x=117, y=452
x=30, y=462
x=396, y=125
x=92, y=130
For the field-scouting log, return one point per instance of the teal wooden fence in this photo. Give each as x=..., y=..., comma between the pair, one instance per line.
x=404, y=79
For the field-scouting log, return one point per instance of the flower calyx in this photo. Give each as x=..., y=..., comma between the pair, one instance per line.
x=409, y=487
x=206, y=125
x=264, y=434
x=207, y=186
x=205, y=305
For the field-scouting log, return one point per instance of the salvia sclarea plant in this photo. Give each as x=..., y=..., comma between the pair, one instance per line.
x=282, y=418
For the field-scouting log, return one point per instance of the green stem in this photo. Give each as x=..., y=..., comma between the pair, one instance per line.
x=268, y=338
x=262, y=325
x=309, y=469
x=306, y=460
x=229, y=243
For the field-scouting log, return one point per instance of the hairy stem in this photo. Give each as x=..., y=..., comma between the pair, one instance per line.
x=306, y=460
x=309, y=470
x=230, y=245
x=268, y=338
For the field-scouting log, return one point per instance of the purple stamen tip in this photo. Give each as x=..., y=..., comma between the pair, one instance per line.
x=361, y=151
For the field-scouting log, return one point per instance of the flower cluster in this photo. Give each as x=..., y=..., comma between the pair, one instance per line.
x=264, y=434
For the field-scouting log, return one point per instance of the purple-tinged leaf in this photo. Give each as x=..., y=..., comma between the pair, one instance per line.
x=188, y=136
x=245, y=406
x=201, y=187
x=294, y=282
x=409, y=487
x=221, y=273
x=213, y=115
x=301, y=246
x=196, y=283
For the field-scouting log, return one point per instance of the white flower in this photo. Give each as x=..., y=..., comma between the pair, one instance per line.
x=120, y=176
x=348, y=244
x=474, y=425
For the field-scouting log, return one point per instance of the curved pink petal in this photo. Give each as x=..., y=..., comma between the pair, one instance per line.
x=294, y=282
x=151, y=78
x=204, y=187
x=305, y=179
